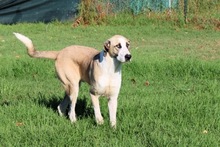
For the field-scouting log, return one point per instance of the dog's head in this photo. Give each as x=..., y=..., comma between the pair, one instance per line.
x=118, y=47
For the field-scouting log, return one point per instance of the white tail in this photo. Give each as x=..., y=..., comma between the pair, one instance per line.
x=25, y=40
x=32, y=52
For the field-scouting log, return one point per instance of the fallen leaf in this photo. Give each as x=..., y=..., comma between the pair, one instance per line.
x=17, y=56
x=147, y=83
x=18, y=124
x=205, y=132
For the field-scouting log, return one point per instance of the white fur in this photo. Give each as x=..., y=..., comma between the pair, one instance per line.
x=24, y=39
x=123, y=51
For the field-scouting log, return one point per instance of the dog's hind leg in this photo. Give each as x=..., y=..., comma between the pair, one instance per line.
x=74, y=89
x=98, y=115
x=63, y=105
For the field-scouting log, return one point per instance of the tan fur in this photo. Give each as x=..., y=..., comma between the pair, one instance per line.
x=101, y=70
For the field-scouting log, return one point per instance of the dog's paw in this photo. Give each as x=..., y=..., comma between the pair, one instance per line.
x=73, y=120
x=72, y=117
x=60, y=111
x=99, y=121
x=113, y=124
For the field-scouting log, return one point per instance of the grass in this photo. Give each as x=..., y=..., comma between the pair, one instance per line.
x=169, y=97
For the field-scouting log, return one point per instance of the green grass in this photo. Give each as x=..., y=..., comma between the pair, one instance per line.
x=182, y=99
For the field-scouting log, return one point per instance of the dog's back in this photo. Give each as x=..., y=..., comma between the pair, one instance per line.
x=77, y=58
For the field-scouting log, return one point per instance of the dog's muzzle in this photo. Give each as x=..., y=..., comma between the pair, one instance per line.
x=127, y=57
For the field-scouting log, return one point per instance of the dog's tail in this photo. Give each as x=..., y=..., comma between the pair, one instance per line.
x=34, y=53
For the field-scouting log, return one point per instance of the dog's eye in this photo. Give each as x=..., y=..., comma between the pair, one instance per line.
x=127, y=44
x=118, y=45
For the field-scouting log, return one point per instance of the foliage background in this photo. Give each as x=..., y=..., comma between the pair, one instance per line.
x=199, y=13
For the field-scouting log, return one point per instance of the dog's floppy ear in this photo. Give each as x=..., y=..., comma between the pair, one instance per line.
x=107, y=45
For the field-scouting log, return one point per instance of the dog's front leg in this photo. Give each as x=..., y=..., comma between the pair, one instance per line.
x=112, y=106
x=98, y=115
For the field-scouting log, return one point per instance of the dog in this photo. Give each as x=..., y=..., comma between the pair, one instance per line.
x=100, y=69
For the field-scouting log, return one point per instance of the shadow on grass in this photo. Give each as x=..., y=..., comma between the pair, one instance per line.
x=82, y=108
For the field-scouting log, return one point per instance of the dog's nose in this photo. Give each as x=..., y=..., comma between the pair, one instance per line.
x=127, y=57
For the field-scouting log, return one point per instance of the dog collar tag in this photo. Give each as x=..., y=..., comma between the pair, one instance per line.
x=101, y=55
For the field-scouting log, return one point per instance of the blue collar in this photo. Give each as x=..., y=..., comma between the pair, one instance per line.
x=101, y=55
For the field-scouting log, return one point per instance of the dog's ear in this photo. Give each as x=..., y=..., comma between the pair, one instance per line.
x=107, y=45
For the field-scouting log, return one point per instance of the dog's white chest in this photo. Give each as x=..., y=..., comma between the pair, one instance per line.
x=109, y=84
x=106, y=81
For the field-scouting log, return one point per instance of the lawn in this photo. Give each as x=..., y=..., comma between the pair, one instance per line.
x=169, y=96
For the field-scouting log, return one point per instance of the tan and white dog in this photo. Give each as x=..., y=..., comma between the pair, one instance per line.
x=100, y=69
